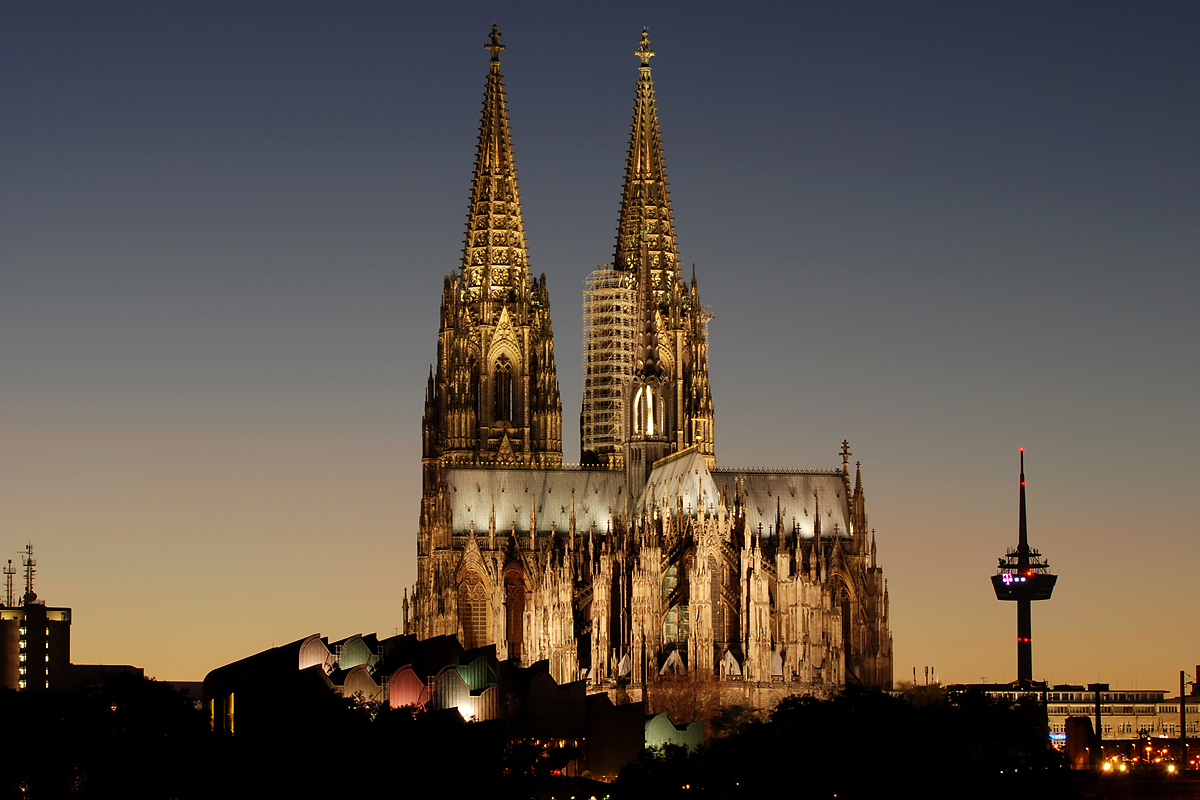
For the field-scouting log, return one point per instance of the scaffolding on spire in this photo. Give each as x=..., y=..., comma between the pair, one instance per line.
x=609, y=327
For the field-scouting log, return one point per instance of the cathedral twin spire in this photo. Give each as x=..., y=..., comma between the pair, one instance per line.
x=493, y=398
x=646, y=221
x=494, y=251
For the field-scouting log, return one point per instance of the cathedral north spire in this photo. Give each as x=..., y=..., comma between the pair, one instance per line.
x=494, y=251
x=494, y=397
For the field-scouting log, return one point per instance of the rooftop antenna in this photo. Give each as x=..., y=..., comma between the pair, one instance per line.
x=29, y=564
x=9, y=571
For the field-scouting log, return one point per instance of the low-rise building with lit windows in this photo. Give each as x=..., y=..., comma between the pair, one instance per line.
x=1125, y=715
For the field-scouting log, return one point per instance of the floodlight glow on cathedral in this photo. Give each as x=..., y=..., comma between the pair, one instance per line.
x=646, y=559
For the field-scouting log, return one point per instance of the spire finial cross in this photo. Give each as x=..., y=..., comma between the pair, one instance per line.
x=495, y=45
x=644, y=52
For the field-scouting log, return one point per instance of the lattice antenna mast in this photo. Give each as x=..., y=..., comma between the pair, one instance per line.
x=9, y=572
x=30, y=570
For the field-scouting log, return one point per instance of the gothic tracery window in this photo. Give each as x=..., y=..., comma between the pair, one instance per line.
x=473, y=611
x=720, y=634
x=514, y=592
x=676, y=623
x=645, y=411
x=502, y=390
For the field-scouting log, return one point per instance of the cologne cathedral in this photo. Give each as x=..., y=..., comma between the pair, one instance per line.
x=647, y=559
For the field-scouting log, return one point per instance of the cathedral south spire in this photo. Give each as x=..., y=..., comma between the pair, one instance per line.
x=494, y=252
x=649, y=422
x=645, y=199
x=641, y=317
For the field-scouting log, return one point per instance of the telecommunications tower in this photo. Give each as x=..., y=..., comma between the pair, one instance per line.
x=1024, y=576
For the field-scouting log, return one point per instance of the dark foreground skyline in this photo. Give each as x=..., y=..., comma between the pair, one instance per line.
x=942, y=234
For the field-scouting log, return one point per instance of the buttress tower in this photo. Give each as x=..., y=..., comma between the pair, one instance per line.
x=492, y=399
x=493, y=395
x=646, y=251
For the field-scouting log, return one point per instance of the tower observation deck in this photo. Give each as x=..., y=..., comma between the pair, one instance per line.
x=1023, y=576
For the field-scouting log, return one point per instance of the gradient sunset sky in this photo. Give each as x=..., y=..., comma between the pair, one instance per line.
x=941, y=231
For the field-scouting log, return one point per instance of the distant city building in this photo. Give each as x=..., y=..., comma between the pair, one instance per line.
x=647, y=559
x=35, y=641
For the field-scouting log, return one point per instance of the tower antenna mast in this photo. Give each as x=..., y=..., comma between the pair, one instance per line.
x=9, y=572
x=29, y=564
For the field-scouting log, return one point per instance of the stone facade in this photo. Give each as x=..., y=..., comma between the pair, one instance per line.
x=647, y=560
